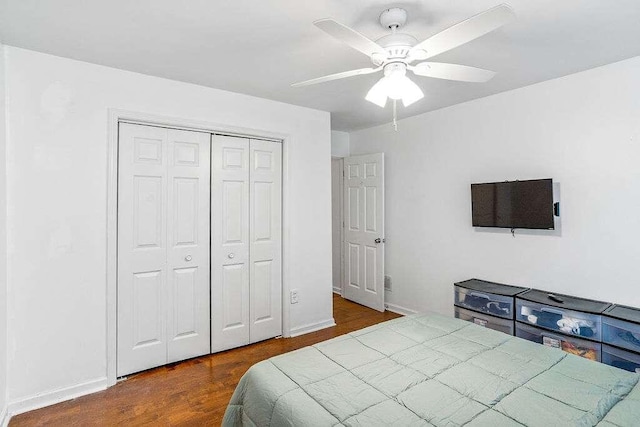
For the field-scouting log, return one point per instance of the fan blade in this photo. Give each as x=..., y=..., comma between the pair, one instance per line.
x=462, y=73
x=350, y=37
x=465, y=31
x=337, y=76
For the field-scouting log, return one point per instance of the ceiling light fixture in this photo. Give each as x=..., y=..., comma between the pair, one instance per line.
x=395, y=85
x=396, y=53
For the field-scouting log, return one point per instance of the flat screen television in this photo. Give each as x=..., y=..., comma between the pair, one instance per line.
x=513, y=204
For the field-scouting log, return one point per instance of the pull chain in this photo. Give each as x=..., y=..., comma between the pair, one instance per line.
x=394, y=28
x=395, y=116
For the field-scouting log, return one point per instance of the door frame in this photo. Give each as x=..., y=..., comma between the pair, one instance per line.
x=341, y=183
x=115, y=116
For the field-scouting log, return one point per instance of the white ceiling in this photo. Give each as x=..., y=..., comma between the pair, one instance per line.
x=260, y=47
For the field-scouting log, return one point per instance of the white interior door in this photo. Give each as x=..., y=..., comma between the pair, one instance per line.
x=265, y=253
x=188, y=326
x=142, y=183
x=162, y=201
x=229, y=243
x=364, y=230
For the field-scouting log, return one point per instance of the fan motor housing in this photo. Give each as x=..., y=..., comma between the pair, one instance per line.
x=397, y=46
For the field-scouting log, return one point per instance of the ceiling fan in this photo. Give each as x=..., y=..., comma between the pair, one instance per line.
x=395, y=53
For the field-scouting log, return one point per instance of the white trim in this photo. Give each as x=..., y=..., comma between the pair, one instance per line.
x=4, y=417
x=52, y=397
x=114, y=117
x=312, y=327
x=342, y=219
x=112, y=240
x=337, y=290
x=399, y=309
x=203, y=127
x=287, y=206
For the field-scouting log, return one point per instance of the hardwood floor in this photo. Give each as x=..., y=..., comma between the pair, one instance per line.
x=193, y=392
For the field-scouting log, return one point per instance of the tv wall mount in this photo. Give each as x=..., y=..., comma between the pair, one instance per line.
x=556, y=212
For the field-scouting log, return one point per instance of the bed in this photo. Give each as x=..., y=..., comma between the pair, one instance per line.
x=428, y=369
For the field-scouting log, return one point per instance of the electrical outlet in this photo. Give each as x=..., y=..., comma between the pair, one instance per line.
x=387, y=283
x=294, y=296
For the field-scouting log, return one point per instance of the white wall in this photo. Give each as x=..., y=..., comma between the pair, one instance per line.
x=582, y=130
x=339, y=143
x=3, y=244
x=57, y=198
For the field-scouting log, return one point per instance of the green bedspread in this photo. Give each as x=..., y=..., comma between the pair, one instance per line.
x=428, y=369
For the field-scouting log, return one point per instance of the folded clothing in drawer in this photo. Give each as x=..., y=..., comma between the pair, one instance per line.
x=569, y=315
x=491, y=322
x=583, y=348
x=486, y=297
x=621, y=359
x=492, y=304
x=621, y=327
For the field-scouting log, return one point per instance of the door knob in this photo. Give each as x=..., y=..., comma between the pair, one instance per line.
x=379, y=240
x=188, y=258
x=231, y=255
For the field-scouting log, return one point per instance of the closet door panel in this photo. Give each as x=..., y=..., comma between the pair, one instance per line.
x=188, y=324
x=185, y=306
x=229, y=243
x=163, y=246
x=147, y=309
x=265, y=201
x=142, y=274
x=234, y=296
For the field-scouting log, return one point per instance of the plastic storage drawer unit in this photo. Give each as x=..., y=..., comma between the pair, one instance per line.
x=562, y=313
x=491, y=322
x=621, y=327
x=486, y=297
x=583, y=348
x=620, y=358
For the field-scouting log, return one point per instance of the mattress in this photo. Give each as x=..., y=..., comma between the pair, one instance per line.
x=432, y=370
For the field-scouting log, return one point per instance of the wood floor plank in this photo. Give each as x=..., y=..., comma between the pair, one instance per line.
x=194, y=392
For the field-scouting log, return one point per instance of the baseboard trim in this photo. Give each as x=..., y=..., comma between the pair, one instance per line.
x=312, y=327
x=399, y=309
x=337, y=290
x=4, y=417
x=52, y=397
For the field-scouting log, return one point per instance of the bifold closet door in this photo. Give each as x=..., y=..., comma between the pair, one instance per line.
x=265, y=253
x=229, y=242
x=163, y=246
x=246, y=244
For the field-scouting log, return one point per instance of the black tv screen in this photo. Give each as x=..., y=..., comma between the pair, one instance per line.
x=513, y=204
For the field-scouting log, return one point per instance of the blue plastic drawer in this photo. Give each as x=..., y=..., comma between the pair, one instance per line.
x=491, y=322
x=577, y=323
x=484, y=302
x=583, y=348
x=621, y=359
x=620, y=333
